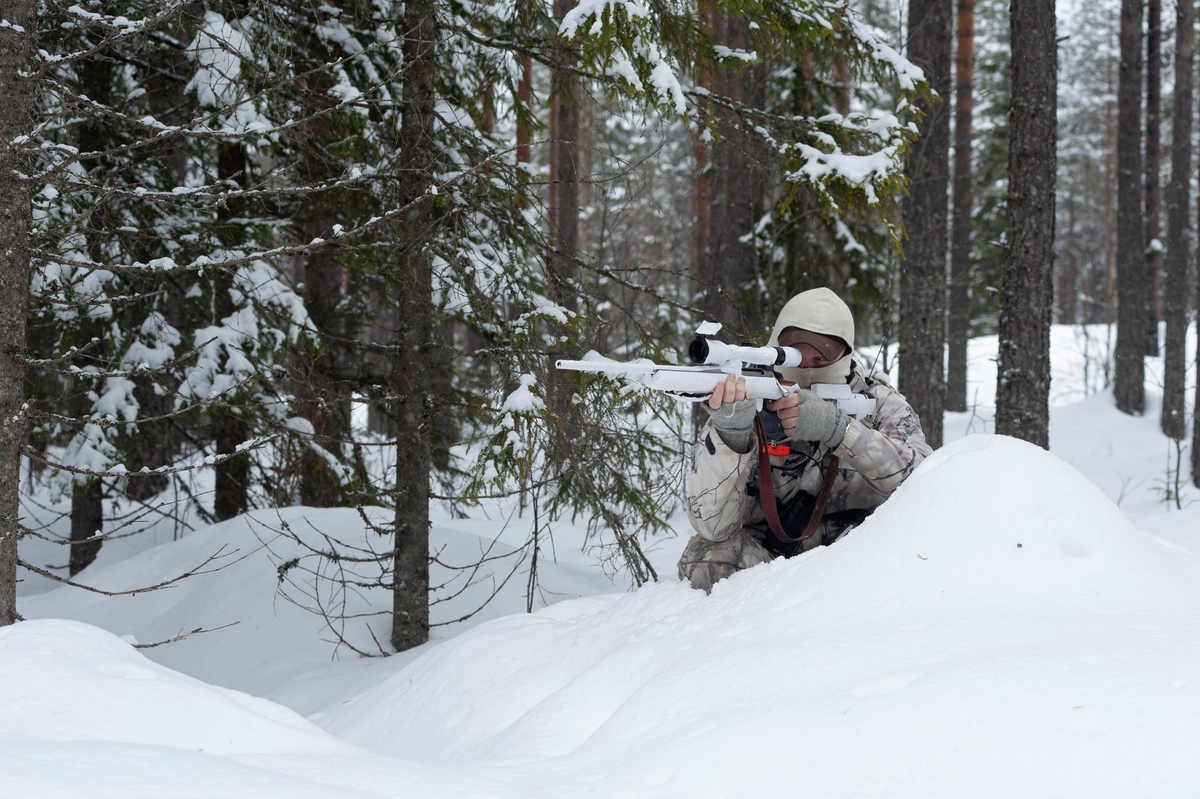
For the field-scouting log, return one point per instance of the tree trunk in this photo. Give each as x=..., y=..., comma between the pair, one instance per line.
x=524, y=90
x=1068, y=282
x=229, y=429
x=1131, y=262
x=702, y=230
x=1196, y=403
x=87, y=520
x=320, y=396
x=1111, y=179
x=1027, y=296
x=923, y=273
x=564, y=173
x=726, y=264
x=17, y=41
x=413, y=378
x=959, y=327
x=1175, y=305
x=525, y=98
x=1153, y=169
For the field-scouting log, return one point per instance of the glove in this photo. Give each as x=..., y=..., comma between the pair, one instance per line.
x=734, y=423
x=819, y=420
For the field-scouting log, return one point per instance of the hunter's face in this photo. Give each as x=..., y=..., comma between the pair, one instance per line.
x=818, y=350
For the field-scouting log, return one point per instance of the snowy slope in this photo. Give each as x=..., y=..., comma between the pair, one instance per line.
x=925, y=655
x=276, y=645
x=83, y=714
x=1128, y=457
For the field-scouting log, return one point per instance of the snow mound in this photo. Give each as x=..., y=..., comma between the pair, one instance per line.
x=68, y=681
x=925, y=655
x=277, y=639
x=84, y=714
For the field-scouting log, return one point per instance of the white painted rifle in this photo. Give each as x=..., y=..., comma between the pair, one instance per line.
x=712, y=360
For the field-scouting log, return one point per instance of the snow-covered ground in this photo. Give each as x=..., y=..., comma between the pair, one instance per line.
x=1000, y=627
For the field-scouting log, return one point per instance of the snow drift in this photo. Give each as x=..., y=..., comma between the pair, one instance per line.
x=64, y=670
x=275, y=643
x=997, y=628
x=83, y=714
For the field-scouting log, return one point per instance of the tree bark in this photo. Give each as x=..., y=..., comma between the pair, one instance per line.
x=525, y=98
x=1067, y=294
x=726, y=263
x=564, y=173
x=1130, y=368
x=1027, y=295
x=17, y=48
x=923, y=273
x=524, y=90
x=702, y=230
x=1153, y=170
x=959, y=326
x=413, y=378
x=1196, y=402
x=87, y=520
x=1111, y=179
x=229, y=428
x=1175, y=304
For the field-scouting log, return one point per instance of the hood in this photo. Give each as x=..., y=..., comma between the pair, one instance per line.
x=821, y=311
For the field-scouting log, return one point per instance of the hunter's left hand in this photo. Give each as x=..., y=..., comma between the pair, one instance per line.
x=810, y=418
x=787, y=409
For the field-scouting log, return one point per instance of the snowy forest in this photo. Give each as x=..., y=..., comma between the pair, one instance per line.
x=282, y=289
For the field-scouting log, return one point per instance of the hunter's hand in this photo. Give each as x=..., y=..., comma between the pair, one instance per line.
x=788, y=410
x=731, y=408
x=731, y=390
x=807, y=417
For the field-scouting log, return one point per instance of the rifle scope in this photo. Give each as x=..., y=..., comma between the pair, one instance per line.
x=710, y=351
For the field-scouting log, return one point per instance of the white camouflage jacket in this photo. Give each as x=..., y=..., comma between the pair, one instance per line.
x=876, y=455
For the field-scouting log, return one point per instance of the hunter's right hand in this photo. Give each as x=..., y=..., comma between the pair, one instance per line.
x=732, y=389
x=732, y=410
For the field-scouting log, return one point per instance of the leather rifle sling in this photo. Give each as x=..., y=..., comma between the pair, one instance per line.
x=766, y=491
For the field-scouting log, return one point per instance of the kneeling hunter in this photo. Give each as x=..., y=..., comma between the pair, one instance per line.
x=838, y=470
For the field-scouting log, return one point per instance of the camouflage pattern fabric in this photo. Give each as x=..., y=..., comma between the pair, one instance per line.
x=705, y=562
x=876, y=455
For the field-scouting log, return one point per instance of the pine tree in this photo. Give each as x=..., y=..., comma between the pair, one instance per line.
x=1153, y=155
x=1131, y=271
x=414, y=286
x=1027, y=298
x=1175, y=304
x=959, y=317
x=727, y=264
x=17, y=54
x=923, y=279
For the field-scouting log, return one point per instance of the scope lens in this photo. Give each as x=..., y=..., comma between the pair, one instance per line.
x=698, y=350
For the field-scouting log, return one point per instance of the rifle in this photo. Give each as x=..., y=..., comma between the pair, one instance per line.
x=713, y=360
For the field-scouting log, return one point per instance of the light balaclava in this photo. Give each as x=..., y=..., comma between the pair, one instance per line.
x=819, y=311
